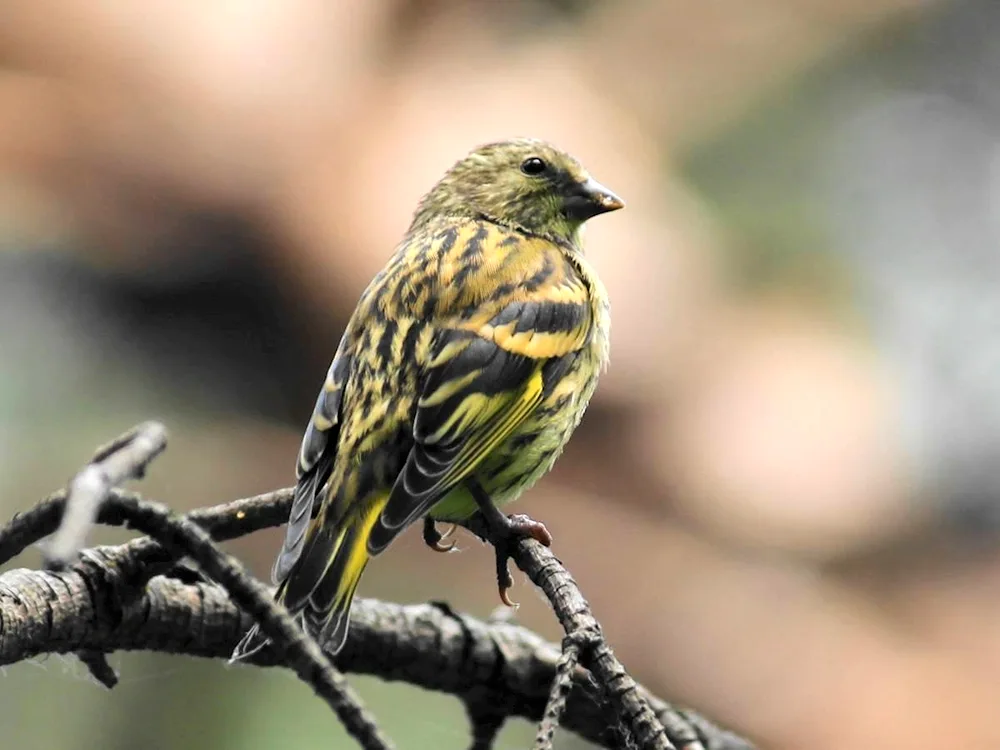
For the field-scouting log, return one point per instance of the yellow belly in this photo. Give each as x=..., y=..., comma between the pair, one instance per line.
x=531, y=451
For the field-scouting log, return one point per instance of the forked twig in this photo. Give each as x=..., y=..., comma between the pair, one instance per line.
x=91, y=490
x=664, y=731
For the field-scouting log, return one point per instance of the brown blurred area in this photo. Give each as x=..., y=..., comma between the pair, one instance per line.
x=192, y=197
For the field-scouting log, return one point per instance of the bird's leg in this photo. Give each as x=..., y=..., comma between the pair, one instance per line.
x=504, y=530
x=434, y=538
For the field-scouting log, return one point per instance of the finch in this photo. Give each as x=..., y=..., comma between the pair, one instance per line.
x=461, y=375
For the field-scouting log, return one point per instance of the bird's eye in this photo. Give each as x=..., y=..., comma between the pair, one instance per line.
x=533, y=166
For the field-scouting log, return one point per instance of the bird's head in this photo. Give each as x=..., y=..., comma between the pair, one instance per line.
x=525, y=184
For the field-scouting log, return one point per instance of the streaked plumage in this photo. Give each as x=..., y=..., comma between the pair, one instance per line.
x=467, y=364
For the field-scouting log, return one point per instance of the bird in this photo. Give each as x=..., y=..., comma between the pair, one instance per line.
x=463, y=371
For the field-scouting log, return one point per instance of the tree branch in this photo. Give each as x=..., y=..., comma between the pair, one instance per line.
x=94, y=598
x=93, y=606
x=90, y=491
x=124, y=458
x=660, y=730
x=561, y=685
x=225, y=521
x=298, y=651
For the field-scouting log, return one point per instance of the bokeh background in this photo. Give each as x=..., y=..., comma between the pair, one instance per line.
x=784, y=504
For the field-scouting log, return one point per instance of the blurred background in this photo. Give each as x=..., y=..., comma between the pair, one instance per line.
x=784, y=504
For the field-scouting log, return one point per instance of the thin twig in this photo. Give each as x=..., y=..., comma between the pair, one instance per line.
x=97, y=663
x=301, y=652
x=647, y=729
x=127, y=457
x=225, y=521
x=124, y=458
x=561, y=686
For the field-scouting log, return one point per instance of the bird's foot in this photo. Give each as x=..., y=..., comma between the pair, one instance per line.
x=434, y=538
x=504, y=532
x=519, y=525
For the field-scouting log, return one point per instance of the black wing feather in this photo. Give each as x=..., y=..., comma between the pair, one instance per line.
x=433, y=456
x=316, y=457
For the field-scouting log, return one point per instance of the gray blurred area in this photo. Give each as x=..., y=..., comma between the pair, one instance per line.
x=783, y=503
x=914, y=203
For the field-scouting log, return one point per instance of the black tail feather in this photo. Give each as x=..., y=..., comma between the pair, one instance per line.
x=251, y=643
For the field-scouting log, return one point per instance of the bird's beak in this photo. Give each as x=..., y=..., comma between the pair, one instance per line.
x=589, y=199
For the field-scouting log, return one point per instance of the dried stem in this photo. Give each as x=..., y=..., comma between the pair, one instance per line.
x=124, y=458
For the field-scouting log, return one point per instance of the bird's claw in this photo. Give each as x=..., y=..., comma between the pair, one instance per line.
x=505, y=598
x=504, y=533
x=504, y=579
x=439, y=547
x=434, y=538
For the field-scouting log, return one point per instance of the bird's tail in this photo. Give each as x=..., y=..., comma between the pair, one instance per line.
x=321, y=585
x=252, y=642
x=254, y=639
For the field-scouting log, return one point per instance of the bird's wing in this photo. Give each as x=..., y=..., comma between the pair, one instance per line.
x=316, y=456
x=482, y=382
